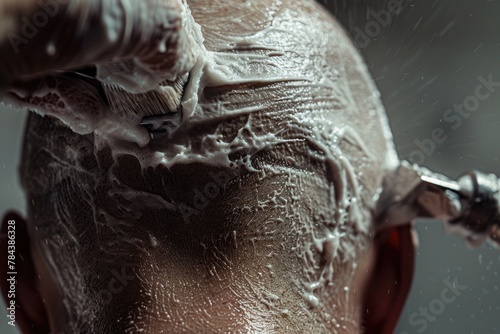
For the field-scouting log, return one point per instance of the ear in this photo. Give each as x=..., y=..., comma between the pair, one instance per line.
x=18, y=278
x=390, y=280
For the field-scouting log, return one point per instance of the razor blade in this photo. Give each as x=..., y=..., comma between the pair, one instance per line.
x=470, y=207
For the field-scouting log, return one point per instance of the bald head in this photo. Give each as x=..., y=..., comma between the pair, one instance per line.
x=254, y=215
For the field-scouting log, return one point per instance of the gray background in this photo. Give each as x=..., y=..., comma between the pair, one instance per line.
x=428, y=59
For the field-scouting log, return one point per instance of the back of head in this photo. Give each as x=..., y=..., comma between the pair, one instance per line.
x=258, y=214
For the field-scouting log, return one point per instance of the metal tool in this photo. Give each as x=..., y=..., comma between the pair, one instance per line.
x=469, y=207
x=160, y=126
x=163, y=112
x=164, y=124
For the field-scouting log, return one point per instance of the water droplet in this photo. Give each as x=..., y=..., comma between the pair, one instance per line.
x=51, y=49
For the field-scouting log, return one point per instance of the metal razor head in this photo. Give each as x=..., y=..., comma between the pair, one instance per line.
x=160, y=126
x=470, y=207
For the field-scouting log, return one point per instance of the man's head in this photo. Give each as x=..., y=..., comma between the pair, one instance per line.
x=259, y=215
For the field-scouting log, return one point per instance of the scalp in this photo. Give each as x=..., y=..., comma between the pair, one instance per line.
x=304, y=135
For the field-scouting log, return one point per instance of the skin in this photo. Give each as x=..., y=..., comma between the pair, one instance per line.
x=224, y=270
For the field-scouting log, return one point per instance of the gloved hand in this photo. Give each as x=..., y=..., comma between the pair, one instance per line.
x=38, y=38
x=132, y=45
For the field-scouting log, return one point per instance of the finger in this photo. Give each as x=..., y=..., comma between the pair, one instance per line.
x=39, y=37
